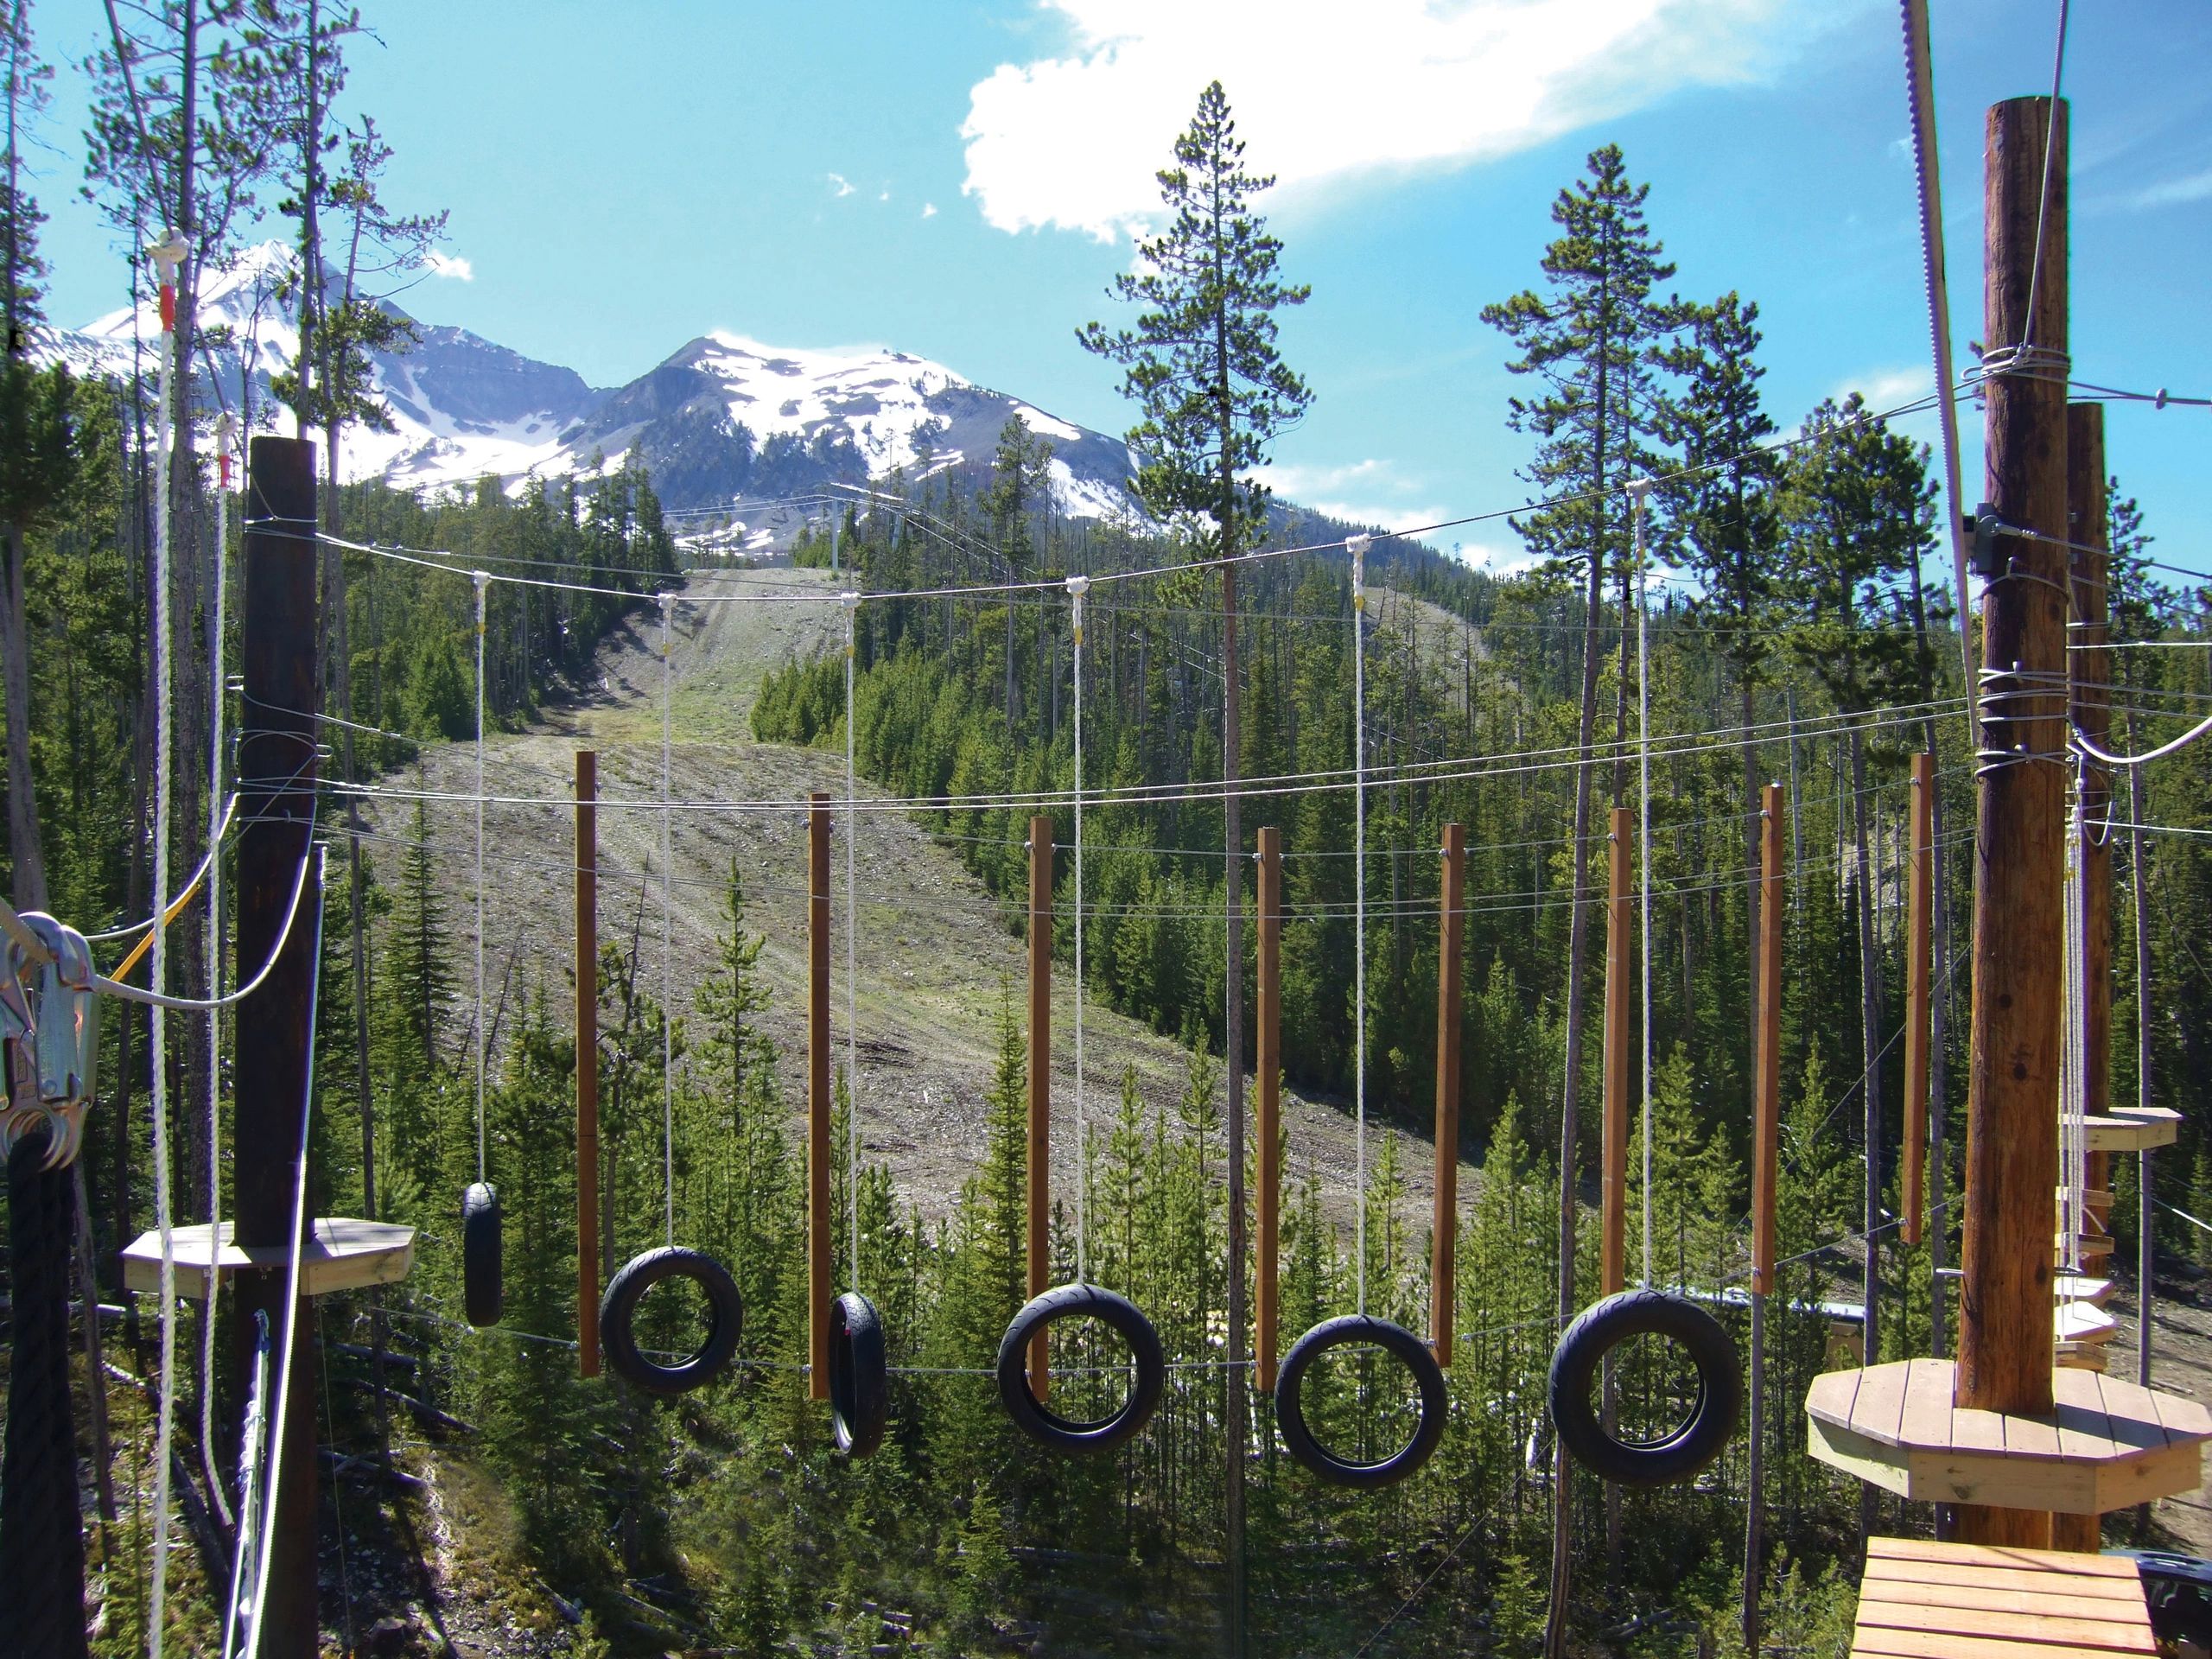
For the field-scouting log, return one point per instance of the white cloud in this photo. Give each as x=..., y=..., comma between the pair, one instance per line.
x=1889, y=388
x=1073, y=142
x=1358, y=492
x=929, y=210
x=886, y=196
x=450, y=265
x=844, y=184
x=2195, y=186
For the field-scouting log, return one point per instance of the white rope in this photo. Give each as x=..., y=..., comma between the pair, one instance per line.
x=219, y=814
x=1077, y=586
x=667, y=945
x=168, y=257
x=275, y=1462
x=1642, y=489
x=2074, y=1044
x=2087, y=745
x=1358, y=546
x=246, y=1563
x=852, y=602
x=481, y=580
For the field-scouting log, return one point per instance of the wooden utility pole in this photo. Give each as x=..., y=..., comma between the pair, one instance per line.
x=1920, y=885
x=587, y=1062
x=820, y=1290
x=1270, y=1066
x=277, y=779
x=1444, y=1228
x=1238, y=1436
x=2089, y=703
x=2005, y=1307
x=1612, y=1251
x=1040, y=1086
x=1767, y=1142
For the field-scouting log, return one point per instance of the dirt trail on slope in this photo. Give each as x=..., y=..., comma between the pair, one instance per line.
x=936, y=950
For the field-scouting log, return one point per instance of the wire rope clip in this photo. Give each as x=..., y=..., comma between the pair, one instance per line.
x=56, y=1022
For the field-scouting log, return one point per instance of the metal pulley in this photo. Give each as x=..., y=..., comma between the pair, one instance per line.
x=49, y=1009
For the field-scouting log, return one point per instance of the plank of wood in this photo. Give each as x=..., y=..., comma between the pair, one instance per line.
x=2023, y=1626
x=1927, y=1420
x=1861, y=1455
x=2084, y=1429
x=1880, y=1406
x=2127, y=1608
x=2181, y=1418
x=1878, y=1641
x=2132, y=1418
x=2030, y=1437
x=1939, y=1576
x=1975, y=1430
x=1833, y=1395
x=2004, y=1555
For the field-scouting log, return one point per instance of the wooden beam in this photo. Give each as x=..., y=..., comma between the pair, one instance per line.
x=1920, y=890
x=2004, y=1344
x=1041, y=1085
x=586, y=976
x=1265, y=1266
x=1612, y=1252
x=1766, y=1101
x=276, y=772
x=1444, y=1227
x=820, y=1292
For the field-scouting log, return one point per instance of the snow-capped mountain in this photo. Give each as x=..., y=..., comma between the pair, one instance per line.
x=721, y=421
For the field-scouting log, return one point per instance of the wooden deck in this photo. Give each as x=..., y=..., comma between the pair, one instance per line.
x=341, y=1253
x=1922, y=1600
x=2109, y=1444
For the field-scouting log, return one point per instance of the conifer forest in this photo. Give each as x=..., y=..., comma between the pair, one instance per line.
x=1711, y=594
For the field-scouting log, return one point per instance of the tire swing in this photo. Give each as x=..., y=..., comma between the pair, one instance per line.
x=1082, y=1300
x=1681, y=1450
x=860, y=1369
x=1360, y=1329
x=618, y=1308
x=481, y=1275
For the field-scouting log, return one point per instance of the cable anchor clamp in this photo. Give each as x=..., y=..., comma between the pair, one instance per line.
x=56, y=1026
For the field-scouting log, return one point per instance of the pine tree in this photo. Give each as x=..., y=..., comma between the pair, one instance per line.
x=1020, y=476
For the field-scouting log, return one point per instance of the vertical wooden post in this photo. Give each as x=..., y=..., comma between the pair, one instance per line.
x=2088, y=684
x=1444, y=1228
x=277, y=778
x=819, y=1222
x=587, y=1063
x=1269, y=1064
x=1041, y=1085
x=1612, y=1252
x=1767, y=1142
x=1766, y=1095
x=2005, y=1325
x=1920, y=890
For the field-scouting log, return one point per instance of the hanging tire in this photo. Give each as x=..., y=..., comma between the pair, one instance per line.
x=860, y=1376
x=1685, y=1450
x=618, y=1312
x=481, y=1298
x=1352, y=1330
x=1046, y=1425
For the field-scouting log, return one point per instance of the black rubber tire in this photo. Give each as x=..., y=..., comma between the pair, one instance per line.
x=1603, y=1327
x=1410, y=1350
x=618, y=1339
x=1046, y=1425
x=860, y=1375
x=481, y=1298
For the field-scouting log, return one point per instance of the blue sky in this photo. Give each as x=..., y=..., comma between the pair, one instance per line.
x=954, y=179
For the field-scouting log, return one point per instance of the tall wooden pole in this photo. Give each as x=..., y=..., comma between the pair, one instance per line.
x=1444, y=1228
x=2090, y=684
x=587, y=1062
x=2004, y=1315
x=1612, y=1251
x=819, y=1222
x=1767, y=1142
x=1920, y=895
x=1041, y=1085
x=276, y=778
x=1269, y=1067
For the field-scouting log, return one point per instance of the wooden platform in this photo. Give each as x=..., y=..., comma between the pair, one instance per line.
x=341, y=1254
x=2108, y=1444
x=2134, y=1131
x=1922, y=1600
